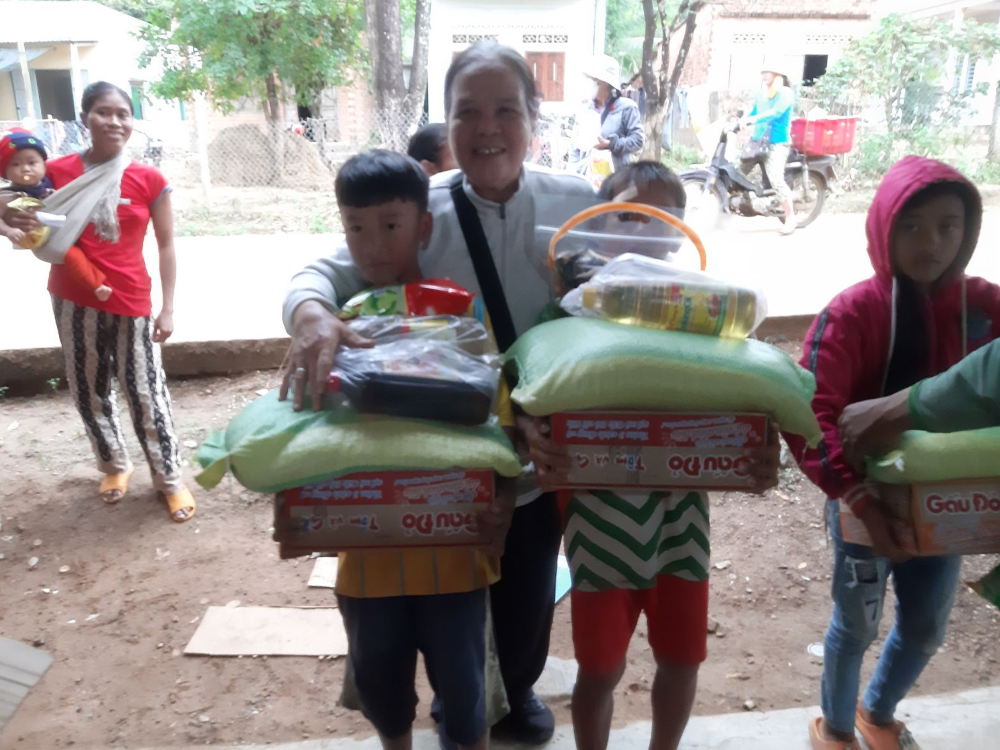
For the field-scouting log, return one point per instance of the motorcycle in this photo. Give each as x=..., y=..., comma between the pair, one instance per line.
x=725, y=184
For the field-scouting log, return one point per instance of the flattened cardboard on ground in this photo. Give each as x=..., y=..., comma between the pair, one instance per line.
x=324, y=573
x=269, y=631
x=21, y=667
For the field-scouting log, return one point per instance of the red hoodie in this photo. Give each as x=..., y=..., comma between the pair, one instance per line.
x=849, y=346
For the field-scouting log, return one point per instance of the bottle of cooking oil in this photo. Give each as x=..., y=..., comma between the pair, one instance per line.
x=710, y=308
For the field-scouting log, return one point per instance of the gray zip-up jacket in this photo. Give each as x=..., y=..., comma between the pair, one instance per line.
x=623, y=128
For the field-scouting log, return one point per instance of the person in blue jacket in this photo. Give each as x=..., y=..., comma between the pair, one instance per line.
x=771, y=118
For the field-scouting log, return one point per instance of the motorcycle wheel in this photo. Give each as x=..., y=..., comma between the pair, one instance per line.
x=704, y=205
x=808, y=200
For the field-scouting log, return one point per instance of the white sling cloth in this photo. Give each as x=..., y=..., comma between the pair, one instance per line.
x=91, y=198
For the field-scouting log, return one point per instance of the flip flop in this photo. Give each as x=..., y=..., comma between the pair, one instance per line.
x=115, y=483
x=893, y=736
x=180, y=501
x=819, y=742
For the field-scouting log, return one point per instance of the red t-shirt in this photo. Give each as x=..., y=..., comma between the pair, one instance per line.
x=122, y=262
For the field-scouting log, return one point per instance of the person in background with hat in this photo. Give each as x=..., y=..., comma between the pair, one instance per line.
x=22, y=163
x=620, y=122
x=771, y=117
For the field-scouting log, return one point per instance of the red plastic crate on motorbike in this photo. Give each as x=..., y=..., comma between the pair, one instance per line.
x=831, y=135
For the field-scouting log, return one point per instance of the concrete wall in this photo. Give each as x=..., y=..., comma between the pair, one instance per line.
x=509, y=21
x=784, y=8
x=739, y=46
x=7, y=109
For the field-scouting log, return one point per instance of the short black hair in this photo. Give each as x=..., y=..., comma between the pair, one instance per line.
x=427, y=142
x=377, y=177
x=96, y=90
x=641, y=174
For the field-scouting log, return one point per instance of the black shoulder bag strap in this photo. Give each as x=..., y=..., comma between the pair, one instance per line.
x=486, y=270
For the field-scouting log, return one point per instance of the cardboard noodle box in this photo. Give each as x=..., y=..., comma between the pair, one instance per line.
x=383, y=509
x=623, y=449
x=958, y=517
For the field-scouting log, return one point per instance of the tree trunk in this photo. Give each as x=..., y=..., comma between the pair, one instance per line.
x=276, y=164
x=660, y=89
x=418, y=71
x=994, y=150
x=385, y=44
x=653, y=121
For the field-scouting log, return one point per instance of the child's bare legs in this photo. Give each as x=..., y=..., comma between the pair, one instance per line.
x=593, y=706
x=674, y=689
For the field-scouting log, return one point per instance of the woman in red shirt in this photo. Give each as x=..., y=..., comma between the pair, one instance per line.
x=119, y=336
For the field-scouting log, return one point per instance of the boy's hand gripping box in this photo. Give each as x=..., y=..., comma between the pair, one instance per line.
x=959, y=517
x=383, y=509
x=622, y=449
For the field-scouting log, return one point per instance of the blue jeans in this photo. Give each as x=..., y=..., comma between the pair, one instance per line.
x=925, y=591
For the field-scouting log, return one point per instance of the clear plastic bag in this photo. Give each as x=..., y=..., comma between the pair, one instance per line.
x=440, y=368
x=641, y=291
x=464, y=332
x=589, y=244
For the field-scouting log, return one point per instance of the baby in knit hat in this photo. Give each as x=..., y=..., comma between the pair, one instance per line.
x=22, y=163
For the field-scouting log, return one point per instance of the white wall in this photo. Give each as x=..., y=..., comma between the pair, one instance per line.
x=510, y=20
x=739, y=46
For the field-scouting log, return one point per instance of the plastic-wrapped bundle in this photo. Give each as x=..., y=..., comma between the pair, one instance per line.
x=593, y=237
x=419, y=298
x=439, y=368
x=466, y=333
x=36, y=237
x=641, y=291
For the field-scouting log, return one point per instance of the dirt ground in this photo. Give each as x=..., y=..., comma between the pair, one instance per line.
x=117, y=621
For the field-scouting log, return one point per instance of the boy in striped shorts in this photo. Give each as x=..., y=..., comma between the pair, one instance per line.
x=634, y=551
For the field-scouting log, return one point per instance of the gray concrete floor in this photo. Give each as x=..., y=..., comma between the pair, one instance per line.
x=957, y=721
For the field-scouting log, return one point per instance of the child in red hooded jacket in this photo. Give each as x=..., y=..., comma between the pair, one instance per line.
x=917, y=316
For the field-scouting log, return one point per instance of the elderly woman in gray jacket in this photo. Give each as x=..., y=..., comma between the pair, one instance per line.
x=621, y=124
x=491, y=111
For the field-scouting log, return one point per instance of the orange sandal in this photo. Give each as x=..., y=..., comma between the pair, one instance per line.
x=182, y=500
x=893, y=736
x=819, y=742
x=114, y=483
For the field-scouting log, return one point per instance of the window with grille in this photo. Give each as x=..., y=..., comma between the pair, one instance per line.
x=545, y=38
x=827, y=40
x=471, y=38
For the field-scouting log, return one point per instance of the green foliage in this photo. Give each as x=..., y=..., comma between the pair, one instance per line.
x=53, y=383
x=624, y=28
x=903, y=70
x=680, y=158
x=232, y=47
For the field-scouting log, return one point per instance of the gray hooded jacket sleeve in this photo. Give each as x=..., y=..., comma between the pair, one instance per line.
x=628, y=138
x=331, y=281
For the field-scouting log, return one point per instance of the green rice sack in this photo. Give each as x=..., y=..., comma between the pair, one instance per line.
x=939, y=456
x=581, y=363
x=269, y=447
x=988, y=587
